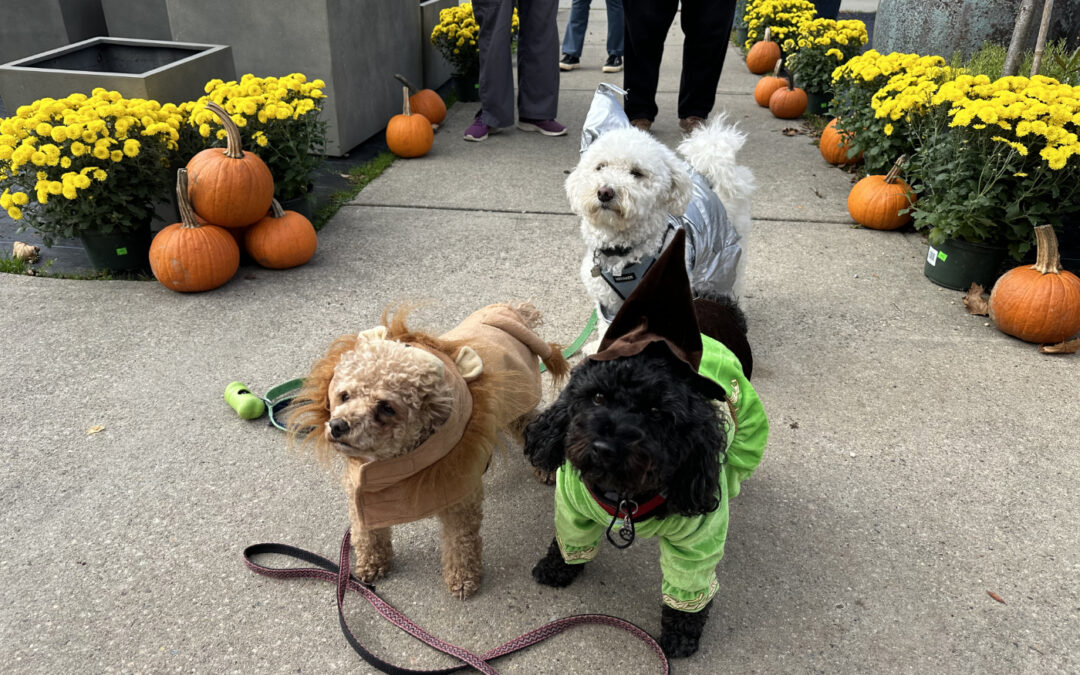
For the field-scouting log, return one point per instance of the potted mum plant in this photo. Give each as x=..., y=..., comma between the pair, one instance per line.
x=817, y=48
x=279, y=121
x=996, y=158
x=781, y=17
x=455, y=36
x=91, y=167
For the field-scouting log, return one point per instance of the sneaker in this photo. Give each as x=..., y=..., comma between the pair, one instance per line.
x=546, y=127
x=613, y=64
x=688, y=124
x=568, y=62
x=643, y=123
x=478, y=131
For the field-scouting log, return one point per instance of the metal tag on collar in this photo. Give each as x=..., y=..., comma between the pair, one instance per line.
x=626, y=532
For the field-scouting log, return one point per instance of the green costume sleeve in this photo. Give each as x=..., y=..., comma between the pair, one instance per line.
x=690, y=549
x=576, y=516
x=744, y=453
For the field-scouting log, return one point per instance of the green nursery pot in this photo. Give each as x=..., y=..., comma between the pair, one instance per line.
x=119, y=251
x=957, y=264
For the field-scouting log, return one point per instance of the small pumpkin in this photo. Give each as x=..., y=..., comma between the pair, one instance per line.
x=409, y=135
x=835, y=144
x=789, y=101
x=190, y=257
x=281, y=240
x=876, y=201
x=763, y=54
x=768, y=84
x=1041, y=302
x=425, y=102
x=229, y=187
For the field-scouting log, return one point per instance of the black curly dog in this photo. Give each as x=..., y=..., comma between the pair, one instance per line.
x=637, y=426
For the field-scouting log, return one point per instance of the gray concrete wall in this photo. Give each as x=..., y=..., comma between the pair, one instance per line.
x=355, y=46
x=946, y=26
x=31, y=26
x=145, y=19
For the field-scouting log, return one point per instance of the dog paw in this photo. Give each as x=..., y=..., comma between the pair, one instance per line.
x=462, y=583
x=551, y=570
x=370, y=570
x=678, y=645
x=544, y=476
x=680, y=632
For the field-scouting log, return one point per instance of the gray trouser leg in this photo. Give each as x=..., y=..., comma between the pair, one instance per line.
x=538, y=60
x=496, y=69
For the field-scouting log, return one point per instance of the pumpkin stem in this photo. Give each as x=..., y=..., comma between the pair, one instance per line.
x=1047, y=259
x=187, y=215
x=401, y=78
x=277, y=209
x=790, y=81
x=776, y=69
x=768, y=34
x=894, y=172
x=232, y=147
x=405, y=109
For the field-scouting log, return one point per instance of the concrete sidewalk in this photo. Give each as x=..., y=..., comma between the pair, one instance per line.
x=918, y=458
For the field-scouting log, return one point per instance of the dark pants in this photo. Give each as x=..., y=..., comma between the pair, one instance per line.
x=706, y=26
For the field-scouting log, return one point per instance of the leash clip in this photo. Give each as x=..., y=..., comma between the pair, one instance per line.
x=626, y=531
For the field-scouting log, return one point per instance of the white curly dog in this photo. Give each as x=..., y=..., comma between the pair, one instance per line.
x=632, y=191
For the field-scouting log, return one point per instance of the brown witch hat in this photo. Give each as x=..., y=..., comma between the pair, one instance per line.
x=662, y=310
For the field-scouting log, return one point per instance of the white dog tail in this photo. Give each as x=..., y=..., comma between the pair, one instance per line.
x=711, y=150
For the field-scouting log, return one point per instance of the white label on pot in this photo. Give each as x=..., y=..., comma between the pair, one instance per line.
x=931, y=257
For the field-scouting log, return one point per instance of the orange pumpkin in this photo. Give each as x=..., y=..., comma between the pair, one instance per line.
x=425, y=102
x=187, y=256
x=876, y=201
x=768, y=84
x=1040, y=303
x=281, y=240
x=409, y=135
x=834, y=145
x=788, y=102
x=762, y=54
x=229, y=187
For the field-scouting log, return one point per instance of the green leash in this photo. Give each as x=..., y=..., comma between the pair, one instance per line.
x=251, y=406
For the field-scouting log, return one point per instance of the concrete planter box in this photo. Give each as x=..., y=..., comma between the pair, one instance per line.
x=355, y=46
x=143, y=19
x=437, y=71
x=31, y=26
x=164, y=71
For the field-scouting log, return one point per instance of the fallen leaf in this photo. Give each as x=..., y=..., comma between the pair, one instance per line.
x=95, y=429
x=25, y=252
x=1067, y=347
x=996, y=597
x=975, y=302
x=790, y=131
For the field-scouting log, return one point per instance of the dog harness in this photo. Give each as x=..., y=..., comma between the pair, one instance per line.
x=690, y=546
x=626, y=281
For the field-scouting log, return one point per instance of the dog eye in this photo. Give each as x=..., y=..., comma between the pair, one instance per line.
x=599, y=166
x=656, y=413
x=599, y=399
x=637, y=173
x=385, y=409
x=344, y=396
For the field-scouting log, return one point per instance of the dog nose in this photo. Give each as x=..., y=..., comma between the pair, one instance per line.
x=605, y=194
x=338, y=427
x=603, y=448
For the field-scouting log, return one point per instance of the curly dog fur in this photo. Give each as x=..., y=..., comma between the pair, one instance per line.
x=372, y=400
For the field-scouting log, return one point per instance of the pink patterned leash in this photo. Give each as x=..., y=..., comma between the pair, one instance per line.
x=339, y=574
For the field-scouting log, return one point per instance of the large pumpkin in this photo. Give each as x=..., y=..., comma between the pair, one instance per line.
x=425, y=102
x=763, y=54
x=230, y=187
x=187, y=256
x=834, y=145
x=1040, y=303
x=768, y=84
x=409, y=135
x=281, y=240
x=876, y=201
x=789, y=101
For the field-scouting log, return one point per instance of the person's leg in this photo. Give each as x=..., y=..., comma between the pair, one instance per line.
x=496, y=68
x=615, y=33
x=576, y=25
x=706, y=25
x=538, y=60
x=646, y=23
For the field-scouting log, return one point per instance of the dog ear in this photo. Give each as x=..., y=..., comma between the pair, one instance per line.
x=678, y=195
x=469, y=364
x=371, y=334
x=545, y=436
x=694, y=489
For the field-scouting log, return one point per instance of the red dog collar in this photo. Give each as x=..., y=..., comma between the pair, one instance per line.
x=638, y=514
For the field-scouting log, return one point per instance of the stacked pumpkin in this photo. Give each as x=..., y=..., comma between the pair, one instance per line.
x=226, y=200
x=411, y=134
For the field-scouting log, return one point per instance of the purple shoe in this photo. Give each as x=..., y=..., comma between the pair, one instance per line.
x=546, y=127
x=479, y=131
